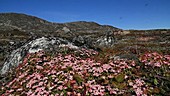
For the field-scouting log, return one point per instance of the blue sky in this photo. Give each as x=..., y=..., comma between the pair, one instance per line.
x=125, y=14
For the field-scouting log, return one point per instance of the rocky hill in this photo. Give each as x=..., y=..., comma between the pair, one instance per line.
x=29, y=44
x=16, y=30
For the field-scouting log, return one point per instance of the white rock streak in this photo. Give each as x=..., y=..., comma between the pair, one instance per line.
x=105, y=41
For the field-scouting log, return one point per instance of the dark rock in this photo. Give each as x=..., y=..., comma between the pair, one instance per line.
x=79, y=41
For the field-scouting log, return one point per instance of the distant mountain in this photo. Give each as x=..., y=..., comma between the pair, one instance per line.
x=35, y=26
x=24, y=22
x=31, y=23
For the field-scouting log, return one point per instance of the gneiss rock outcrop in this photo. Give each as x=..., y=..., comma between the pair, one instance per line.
x=46, y=44
x=21, y=34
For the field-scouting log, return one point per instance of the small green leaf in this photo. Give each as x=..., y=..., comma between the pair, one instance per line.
x=155, y=81
x=120, y=77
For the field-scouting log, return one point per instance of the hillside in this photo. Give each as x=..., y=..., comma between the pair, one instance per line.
x=116, y=59
x=17, y=29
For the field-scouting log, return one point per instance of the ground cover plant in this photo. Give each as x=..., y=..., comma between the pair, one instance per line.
x=89, y=73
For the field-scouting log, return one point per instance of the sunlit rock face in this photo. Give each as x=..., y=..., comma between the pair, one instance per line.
x=48, y=44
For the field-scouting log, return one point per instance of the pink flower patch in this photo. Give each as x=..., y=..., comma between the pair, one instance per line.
x=75, y=74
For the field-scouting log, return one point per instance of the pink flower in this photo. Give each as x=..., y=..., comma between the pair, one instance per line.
x=99, y=70
x=158, y=64
x=97, y=90
x=106, y=67
x=45, y=78
x=53, y=72
x=133, y=63
x=52, y=87
x=37, y=75
x=78, y=94
x=60, y=87
x=20, y=89
x=30, y=83
x=35, y=86
x=135, y=86
x=138, y=92
x=68, y=93
x=25, y=60
x=126, y=76
x=166, y=62
x=40, y=83
x=22, y=75
x=110, y=76
x=131, y=83
x=96, y=74
x=39, y=67
x=10, y=91
x=112, y=91
x=139, y=82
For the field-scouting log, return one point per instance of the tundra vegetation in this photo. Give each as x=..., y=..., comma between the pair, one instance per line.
x=108, y=62
x=86, y=72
